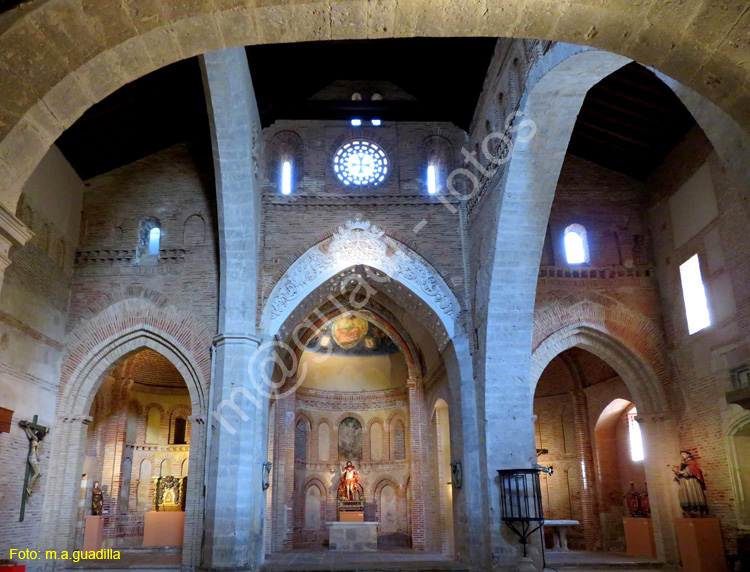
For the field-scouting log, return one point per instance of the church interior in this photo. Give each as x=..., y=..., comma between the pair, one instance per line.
x=374, y=285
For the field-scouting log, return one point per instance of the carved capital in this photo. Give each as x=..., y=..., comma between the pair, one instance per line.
x=240, y=339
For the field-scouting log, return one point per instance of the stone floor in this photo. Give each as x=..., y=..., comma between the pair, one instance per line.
x=326, y=560
x=161, y=559
x=140, y=558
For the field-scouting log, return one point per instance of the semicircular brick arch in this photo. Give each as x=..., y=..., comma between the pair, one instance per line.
x=106, y=44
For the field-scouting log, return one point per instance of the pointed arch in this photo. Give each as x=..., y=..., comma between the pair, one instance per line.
x=638, y=375
x=360, y=243
x=94, y=348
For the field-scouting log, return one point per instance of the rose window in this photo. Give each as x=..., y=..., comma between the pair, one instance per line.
x=360, y=163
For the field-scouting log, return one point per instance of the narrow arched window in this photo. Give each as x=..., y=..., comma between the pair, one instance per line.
x=635, y=437
x=149, y=240
x=576, y=245
x=154, y=238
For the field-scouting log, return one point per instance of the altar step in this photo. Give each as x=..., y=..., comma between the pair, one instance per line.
x=593, y=561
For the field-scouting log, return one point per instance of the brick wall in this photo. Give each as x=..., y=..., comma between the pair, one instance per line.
x=319, y=203
x=176, y=187
x=701, y=363
x=33, y=308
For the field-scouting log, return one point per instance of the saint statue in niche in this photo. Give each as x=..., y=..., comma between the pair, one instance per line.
x=633, y=500
x=97, y=499
x=637, y=502
x=349, y=487
x=692, y=486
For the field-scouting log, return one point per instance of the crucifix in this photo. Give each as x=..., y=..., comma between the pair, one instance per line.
x=35, y=434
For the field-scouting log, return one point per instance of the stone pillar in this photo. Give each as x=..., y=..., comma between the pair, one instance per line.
x=12, y=233
x=417, y=440
x=237, y=438
x=237, y=441
x=661, y=447
x=284, y=473
x=60, y=505
x=589, y=505
x=470, y=507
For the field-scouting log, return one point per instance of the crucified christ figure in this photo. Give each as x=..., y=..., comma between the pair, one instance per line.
x=33, y=459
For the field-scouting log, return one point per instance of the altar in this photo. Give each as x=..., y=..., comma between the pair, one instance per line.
x=353, y=536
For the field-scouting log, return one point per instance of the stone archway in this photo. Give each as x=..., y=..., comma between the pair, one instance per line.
x=89, y=50
x=635, y=370
x=658, y=428
x=94, y=347
x=360, y=243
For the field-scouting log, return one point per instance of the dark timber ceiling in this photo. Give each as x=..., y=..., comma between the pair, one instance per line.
x=152, y=113
x=629, y=122
x=444, y=75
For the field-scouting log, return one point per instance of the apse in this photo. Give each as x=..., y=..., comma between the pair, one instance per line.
x=138, y=451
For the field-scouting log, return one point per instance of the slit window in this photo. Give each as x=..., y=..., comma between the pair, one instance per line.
x=431, y=180
x=694, y=295
x=286, y=178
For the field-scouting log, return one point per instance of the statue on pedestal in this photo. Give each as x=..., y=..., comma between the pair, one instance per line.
x=349, y=483
x=633, y=500
x=97, y=499
x=692, y=486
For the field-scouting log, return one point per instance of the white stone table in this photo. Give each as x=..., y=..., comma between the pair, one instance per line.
x=353, y=536
x=560, y=532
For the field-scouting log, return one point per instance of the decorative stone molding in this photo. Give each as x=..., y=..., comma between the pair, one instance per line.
x=12, y=227
x=360, y=242
x=351, y=400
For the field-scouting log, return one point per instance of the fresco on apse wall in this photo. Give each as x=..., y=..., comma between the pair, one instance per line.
x=350, y=439
x=351, y=336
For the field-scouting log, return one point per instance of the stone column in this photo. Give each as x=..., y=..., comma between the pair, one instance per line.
x=237, y=437
x=62, y=490
x=470, y=507
x=417, y=437
x=589, y=504
x=661, y=447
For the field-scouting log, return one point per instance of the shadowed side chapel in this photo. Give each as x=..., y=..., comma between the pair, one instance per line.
x=402, y=285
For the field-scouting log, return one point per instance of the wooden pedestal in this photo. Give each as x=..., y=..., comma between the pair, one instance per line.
x=93, y=534
x=639, y=536
x=701, y=545
x=164, y=528
x=351, y=516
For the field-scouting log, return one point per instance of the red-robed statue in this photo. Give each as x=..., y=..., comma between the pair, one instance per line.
x=349, y=483
x=692, y=486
